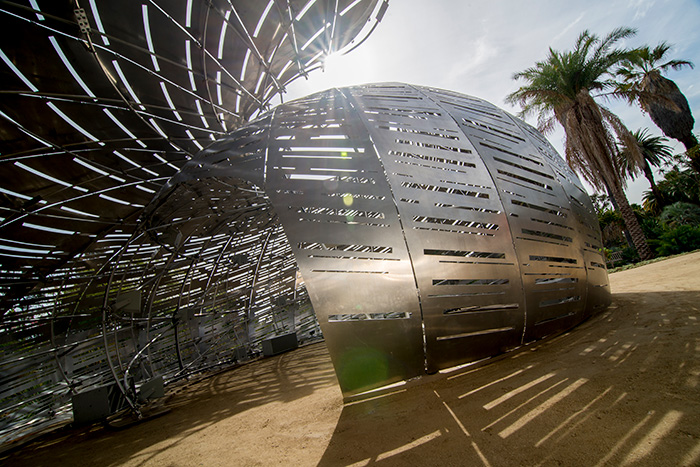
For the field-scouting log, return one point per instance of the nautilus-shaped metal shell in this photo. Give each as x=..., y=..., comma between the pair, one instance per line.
x=431, y=228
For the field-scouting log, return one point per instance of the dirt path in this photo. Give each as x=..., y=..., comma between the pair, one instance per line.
x=621, y=389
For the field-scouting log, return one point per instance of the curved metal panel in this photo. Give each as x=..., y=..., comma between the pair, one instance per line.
x=103, y=103
x=493, y=238
x=543, y=226
x=429, y=228
x=333, y=198
x=454, y=223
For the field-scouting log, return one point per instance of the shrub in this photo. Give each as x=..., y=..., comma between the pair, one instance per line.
x=680, y=214
x=629, y=255
x=678, y=240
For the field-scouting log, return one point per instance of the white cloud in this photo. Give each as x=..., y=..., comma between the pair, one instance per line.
x=475, y=56
x=475, y=47
x=641, y=7
x=568, y=27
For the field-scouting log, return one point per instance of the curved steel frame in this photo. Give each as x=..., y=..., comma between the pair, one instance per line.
x=103, y=101
x=431, y=228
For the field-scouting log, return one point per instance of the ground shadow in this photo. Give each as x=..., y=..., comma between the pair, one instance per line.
x=194, y=408
x=619, y=389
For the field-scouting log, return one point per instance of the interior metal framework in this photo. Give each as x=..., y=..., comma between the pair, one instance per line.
x=102, y=103
x=431, y=228
x=150, y=229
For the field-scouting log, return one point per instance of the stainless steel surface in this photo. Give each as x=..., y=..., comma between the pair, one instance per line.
x=431, y=228
x=329, y=189
x=426, y=228
x=103, y=102
x=455, y=224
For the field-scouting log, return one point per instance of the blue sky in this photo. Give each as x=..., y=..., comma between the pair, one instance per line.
x=474, y=47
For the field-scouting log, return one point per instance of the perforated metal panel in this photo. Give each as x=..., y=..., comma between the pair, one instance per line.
x=454, y=222
x=330, y=191
x=428, y=228
x=103, y=102
x=431, y=228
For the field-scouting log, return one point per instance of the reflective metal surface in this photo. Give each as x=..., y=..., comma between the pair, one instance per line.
x=103, y=102
x=426, y=228
x=431, y=228
x=330, y=191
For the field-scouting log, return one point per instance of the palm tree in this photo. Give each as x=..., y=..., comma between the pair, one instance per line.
x=658, y=96
x=601, y=203
x=680, y=213
x=678, y=184
x=654, y=152
x=559, y=90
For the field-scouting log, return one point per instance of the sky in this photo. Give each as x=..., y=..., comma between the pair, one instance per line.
x=474, y=47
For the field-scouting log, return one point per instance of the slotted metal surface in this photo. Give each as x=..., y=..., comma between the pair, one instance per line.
x=455, y=225
x=330, y=191
x=431, y=228
x=93, y=123
x=103, y=102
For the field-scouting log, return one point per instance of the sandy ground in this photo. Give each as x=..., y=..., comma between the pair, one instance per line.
x=621, y=389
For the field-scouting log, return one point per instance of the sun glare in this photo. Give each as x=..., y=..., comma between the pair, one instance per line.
x=331, y=61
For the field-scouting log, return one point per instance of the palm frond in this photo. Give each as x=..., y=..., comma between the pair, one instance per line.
x=654, y=148
x=676, y=65
x=614, y=36
x=558, y=89
x=658, y=52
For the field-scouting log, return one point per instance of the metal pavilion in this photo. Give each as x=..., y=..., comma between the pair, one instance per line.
x=102, y=103
x=431, y=228
x=160, y=220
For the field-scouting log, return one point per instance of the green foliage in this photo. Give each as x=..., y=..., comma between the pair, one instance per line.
x=678, y=240
x=609, y=217
x=648, y=221
x=658, y=96
x=640, y=64
x=629, y=255
x=653, y=148
x=601, y=203
x=560, y=78
x=611, y=227
x=680, y=213
x=651, y=226
x=679, y=184
x=559, y=89
x=676, y=229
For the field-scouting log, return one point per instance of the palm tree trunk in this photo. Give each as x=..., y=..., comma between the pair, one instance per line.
x=635, y=230
x=692, y=150
x=673, y=117
x=616, y=207
x=658, y=196
x=690, y=141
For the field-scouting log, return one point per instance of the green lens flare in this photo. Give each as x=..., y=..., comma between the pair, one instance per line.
x=361, y=367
